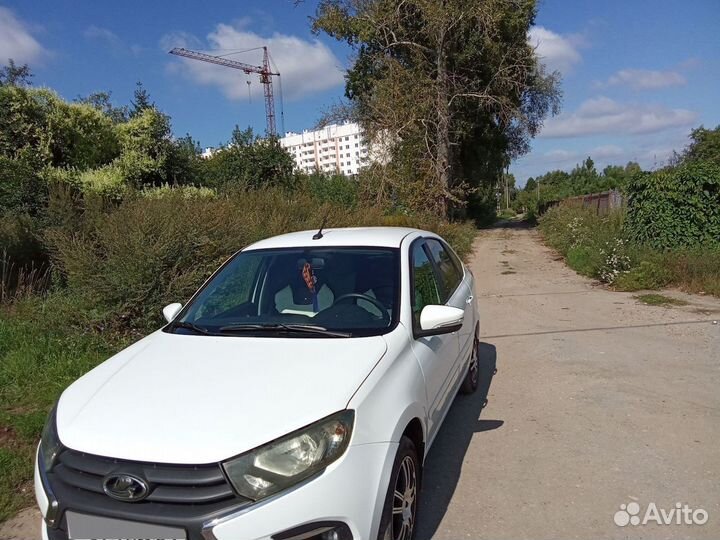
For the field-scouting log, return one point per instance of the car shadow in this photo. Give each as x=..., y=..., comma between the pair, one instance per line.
x=511, y=224
x=444, y=461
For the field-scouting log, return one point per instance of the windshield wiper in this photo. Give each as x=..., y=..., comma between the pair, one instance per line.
x=190, y=326
x=275, y=327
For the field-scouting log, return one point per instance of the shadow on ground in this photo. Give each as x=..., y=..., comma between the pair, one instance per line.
x=511, y=224
x=445, y=460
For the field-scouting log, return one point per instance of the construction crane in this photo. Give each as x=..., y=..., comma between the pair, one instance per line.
x=266, y=75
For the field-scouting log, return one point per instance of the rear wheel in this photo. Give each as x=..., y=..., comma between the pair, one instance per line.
x=401, y=502
x=470, y=384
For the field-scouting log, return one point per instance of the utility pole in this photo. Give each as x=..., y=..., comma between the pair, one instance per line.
x=507, y=189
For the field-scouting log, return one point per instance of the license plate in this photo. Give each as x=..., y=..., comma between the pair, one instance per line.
x=85, y=527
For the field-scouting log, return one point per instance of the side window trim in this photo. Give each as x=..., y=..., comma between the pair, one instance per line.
x=411, y=259
x=457, y=263
x=438, y=273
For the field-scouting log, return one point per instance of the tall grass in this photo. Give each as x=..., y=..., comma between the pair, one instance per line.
x=125, y=264
x=39, y=356
x=18, y=282
x=598, y=247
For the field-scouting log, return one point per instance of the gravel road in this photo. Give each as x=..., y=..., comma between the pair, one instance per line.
x=598, y=401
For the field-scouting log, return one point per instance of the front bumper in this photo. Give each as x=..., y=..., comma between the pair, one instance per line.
x=351, y=491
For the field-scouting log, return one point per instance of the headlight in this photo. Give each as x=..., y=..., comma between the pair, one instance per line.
x=290, y=459
x=50, y=442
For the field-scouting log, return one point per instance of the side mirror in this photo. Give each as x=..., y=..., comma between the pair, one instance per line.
x=436, y=320
x=171, y=310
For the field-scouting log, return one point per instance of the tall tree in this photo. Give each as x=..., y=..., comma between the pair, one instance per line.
x=437, y=79
x=249, y=162
x=14, y=75
x=103, y=103
x=141, y=100
x=704, y=145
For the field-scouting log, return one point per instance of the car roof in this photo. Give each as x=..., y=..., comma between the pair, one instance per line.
x=355, y=236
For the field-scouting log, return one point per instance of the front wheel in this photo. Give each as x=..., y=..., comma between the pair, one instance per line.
x=401, y=503
x=470, y=383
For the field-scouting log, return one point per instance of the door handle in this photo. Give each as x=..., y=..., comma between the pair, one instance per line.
x=469, y=299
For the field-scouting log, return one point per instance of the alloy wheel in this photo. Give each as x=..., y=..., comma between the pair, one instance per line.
x=474, y=366
x=404, y=500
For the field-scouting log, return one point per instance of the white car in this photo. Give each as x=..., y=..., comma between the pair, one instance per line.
x=295, y=396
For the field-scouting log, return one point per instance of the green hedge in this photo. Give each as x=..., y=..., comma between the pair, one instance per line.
x=123, y=264
x=676, y=207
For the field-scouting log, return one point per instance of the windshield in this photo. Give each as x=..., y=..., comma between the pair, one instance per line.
x=300, y=292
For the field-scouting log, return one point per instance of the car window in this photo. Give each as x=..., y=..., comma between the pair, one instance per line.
x=425, y=289
x=231, y=288
x=349, y=289
x=450, y=273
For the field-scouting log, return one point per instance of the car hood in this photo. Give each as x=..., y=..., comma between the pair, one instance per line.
x=190, y=399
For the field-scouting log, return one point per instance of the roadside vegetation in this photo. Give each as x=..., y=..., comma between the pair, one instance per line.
x=543, y=191
x=667, y=235
x=105, y=217
x=113, y=268
x=653, y=299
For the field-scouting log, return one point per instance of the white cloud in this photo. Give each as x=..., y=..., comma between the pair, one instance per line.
x=602, y=153
x=16, y=41
x=645, y=79
x=606, y=151
x=102, y=34
x=557, y=52
x=560, y=155
x=306, y=67
x=604, y=116
x=112, y=40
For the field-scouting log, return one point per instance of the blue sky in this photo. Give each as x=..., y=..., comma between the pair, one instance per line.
x=637, y=75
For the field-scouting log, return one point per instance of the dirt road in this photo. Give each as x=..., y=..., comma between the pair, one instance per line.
x=599, y=401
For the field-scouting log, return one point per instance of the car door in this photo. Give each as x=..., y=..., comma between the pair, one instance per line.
x=458, y=286
x=436, y=354
x=455, y=293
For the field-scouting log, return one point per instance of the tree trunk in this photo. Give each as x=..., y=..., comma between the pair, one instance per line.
x=442, y=158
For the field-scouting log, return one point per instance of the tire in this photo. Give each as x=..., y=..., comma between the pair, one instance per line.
x=472, y=377
x=400, y=511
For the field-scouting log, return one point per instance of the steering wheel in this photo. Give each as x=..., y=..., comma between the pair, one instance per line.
x=374, y=301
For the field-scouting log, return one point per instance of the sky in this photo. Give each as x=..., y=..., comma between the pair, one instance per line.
x=637, y=75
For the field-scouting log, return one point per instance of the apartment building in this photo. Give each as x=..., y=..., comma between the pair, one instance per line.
x=334, y=148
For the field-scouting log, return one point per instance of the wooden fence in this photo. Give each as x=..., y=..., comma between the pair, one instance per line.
x=601, y=203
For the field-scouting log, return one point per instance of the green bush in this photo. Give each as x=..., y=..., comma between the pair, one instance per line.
x=249, y=161
x=335, y=188
x=20, y=239
x=595, y=246
x=568, y=226
x=125, y=264
x=695, y=269
x=675, y=207
x=583, y=260
x=22, y=189
x=37, y=122
x=648, y=274
x=592, y=245
x=189, y=192
x=108, y=181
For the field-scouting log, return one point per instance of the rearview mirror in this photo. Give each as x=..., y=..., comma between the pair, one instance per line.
x=436, y=320
x=171, y=310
